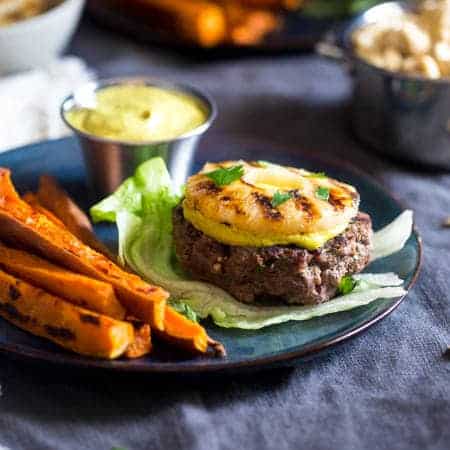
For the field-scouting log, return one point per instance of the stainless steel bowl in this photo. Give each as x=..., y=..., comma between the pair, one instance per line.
x=404, y=117
x=109, y=161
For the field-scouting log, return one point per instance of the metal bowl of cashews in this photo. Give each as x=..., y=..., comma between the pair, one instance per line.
x=399, y=57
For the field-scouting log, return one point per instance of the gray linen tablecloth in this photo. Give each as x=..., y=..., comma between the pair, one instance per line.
x=387, y=389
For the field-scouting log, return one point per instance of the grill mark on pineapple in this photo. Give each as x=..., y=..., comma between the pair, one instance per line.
x=256, y=164
x=347, y=192
x=238, y=210
x=340, y=200
x=208, y=187
x=336, y=202
x=243, y=181
x=303, y=204
x=266, y=205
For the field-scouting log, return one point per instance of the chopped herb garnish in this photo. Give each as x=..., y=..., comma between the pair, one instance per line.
x=323, y=193
x=316, y=175
x=346, y=285
x=279, y=198
x=224, y=176
x=184, y=309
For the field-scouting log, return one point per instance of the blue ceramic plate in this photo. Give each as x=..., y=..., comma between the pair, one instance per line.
x=273, y=345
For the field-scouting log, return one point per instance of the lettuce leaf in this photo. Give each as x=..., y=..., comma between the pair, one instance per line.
x=392, y=237
x=142, y=210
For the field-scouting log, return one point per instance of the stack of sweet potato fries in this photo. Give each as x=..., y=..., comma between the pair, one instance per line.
x=207, y=23
x=59, y=282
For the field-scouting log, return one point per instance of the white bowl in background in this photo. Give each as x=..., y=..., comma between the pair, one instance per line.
x=37, y=41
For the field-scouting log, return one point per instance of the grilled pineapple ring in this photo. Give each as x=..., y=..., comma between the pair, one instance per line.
x=242, y=212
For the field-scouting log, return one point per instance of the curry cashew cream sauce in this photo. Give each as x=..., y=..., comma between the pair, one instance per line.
x=139, y=113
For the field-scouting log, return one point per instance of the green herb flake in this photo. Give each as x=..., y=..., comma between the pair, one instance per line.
x=184, y=309
x=347, y=284
x=323, y=193
x=316, y=175
x=225, y=176
x=279, y=198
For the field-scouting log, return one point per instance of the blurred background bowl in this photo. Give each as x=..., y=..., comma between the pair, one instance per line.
x=110, y=161
x=37, y=41
x=405, y=117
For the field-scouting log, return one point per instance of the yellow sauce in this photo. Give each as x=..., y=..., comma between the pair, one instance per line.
x=139, y=113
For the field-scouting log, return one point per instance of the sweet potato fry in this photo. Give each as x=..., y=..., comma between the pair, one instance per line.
x=142, y=344
x=184, y=333
x=33, y=201
x=78, y=289
x=53, y=196
x=270, y=4
x=55, y=199
x=70, y=326
x=19, y=222
x=201, y=22
x=188, y=335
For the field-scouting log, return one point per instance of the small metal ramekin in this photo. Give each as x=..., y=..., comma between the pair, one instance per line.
x=110, y=161
x=405, y=117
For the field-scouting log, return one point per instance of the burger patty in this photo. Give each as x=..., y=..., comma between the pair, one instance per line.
x=277, y=274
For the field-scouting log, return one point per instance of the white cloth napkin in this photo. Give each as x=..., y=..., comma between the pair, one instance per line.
x=30, y=102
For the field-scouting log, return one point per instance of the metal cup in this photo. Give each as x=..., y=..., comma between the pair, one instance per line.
x=109, y=161
x=405, y=117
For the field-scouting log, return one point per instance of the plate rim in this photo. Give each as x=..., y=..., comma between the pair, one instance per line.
x=210, y=366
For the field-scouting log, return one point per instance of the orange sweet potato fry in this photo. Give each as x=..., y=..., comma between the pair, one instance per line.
x=52, y=196
x=33, y=201
x=70, y=326
x=184, y=333
x=55, y=199
x=201, y=22
x=19, y=222
x=265, y=4
x=188, y=335
x=78, y=289
x=142, y=344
